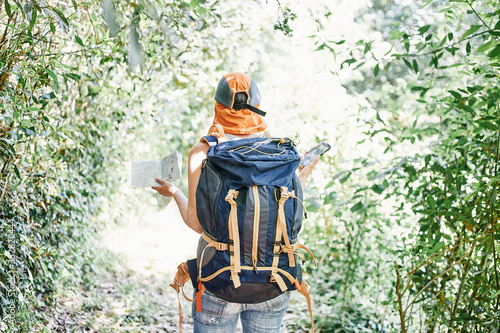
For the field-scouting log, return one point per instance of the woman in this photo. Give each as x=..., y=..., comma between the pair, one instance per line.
x=233, y=91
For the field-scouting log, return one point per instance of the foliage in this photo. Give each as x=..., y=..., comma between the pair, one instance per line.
x=76, y=85
x=431, y=79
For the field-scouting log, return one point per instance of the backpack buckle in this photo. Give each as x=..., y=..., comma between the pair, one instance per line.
x=285, y=194
x=231, y=195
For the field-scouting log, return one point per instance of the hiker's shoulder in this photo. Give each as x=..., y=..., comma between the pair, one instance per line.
x=200, y=147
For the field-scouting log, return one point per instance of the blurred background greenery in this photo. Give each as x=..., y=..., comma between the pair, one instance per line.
x=403, y=209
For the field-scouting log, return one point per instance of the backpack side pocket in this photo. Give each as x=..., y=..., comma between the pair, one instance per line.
x=207, y=195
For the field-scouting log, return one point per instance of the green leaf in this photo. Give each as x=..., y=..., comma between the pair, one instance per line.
x=447, y=204
x=330, y=198
x=407, y=43
x=407, y=63
x=348, y=62
x=376, y=70
x=431, y=202
x=49, y=95
x=79, y=40
x=437, y=247
x=337, y=175
x=424, y=29
x=378, y=189
x=345, y=178
x=456, y=95
x=16, y=171
x=357, y=207
x=470, y=31
x=7, y=8
x=417, y=88
x=33, y=19
x=468, y=109
x=55, y=81
x=396, y=34
x=495, y=52
x=61, y=16
x=415, y=65
x=427, y=159
x=340, y=42
x=485, y=46
x=467, y=48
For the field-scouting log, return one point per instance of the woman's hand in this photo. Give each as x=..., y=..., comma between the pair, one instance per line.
x=304, y=172
x=166, y=188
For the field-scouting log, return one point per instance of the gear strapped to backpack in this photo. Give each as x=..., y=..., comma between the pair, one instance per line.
x=249, y=205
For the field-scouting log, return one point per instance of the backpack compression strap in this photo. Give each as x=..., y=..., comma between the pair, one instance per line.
x=234, y=237
x=211, y=140
x=234, y=248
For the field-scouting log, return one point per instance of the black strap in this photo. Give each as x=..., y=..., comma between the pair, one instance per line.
x=244, y=106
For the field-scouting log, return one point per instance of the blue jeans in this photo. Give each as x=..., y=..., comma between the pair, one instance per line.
x=221, y=316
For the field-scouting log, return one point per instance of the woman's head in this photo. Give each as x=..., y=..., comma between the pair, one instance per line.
x=238, y=88
x=240, y=98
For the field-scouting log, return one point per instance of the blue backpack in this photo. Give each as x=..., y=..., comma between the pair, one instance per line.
x=249, y=204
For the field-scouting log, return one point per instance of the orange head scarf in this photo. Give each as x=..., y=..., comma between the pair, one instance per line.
x=242, y=121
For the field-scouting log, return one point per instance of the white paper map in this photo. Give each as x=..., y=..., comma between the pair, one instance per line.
x=145, y=172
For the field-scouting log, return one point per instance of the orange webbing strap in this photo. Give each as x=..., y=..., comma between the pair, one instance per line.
x=277, y=247
x=282, y=222
x=294, y=248
x=181, y=277
x=304, y=291
x=201, y=290
x=275, y=277
x=234, y=236
x=250, y=268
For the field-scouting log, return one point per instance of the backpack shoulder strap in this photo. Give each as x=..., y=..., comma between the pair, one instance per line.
x=217, y=130
x=215, y=135
x=212, y=140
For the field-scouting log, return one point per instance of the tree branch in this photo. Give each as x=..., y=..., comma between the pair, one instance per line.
x=479, y=17
x=400, y=301
x=438, y=276
x=443, y=47
x=493, y=221
x=60, y=53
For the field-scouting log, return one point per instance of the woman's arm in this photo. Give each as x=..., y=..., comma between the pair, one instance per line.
x=187, y=205
x=304, y=172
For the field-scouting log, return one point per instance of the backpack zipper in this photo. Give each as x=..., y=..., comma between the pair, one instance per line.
x=276, y=206
x=256, y=220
